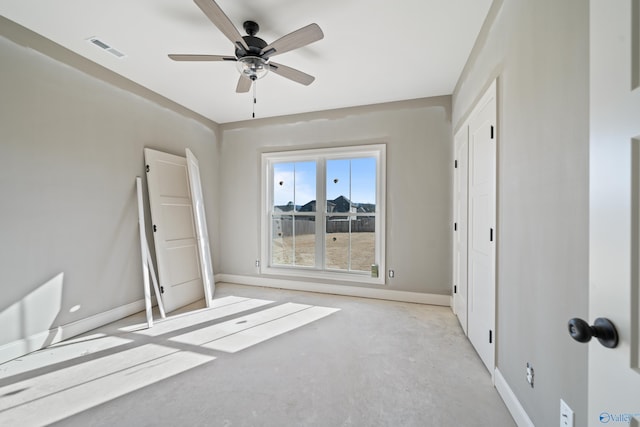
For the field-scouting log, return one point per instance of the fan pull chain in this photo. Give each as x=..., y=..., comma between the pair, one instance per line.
x=255, y=83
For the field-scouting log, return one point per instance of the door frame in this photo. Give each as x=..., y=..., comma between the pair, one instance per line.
x=208, y=280
x=460, y=224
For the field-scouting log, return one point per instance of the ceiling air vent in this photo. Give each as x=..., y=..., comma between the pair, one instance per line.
x=105, y=46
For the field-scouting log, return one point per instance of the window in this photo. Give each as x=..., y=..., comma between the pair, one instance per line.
x=323, y=213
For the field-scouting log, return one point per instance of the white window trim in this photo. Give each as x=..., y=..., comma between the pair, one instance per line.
x=268, y=159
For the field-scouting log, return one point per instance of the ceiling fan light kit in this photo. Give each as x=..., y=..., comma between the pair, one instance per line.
x=252, y=54
x=252, y=67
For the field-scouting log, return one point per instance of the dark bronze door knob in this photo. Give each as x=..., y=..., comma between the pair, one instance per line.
x=602, y=329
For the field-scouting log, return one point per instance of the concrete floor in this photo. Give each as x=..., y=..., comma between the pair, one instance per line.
x=370, y=363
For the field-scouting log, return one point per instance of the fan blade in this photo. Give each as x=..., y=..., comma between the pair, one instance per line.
x=222, y=21
x=244, y=84
x=302, y=37
x=291, y=74
x=181, y=57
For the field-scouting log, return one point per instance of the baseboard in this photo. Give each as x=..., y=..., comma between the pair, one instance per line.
x=43, y=339
x=513, y=404
x=325, y=288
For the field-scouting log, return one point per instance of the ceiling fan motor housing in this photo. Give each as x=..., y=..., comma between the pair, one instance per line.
x=256, y=44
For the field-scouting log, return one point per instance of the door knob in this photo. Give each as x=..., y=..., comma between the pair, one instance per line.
x=602, y=329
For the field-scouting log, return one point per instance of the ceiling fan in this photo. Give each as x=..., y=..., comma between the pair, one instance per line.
x=252, y=54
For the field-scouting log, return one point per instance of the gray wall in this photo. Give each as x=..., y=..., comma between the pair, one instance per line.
x=419, y=162
x=70, y=148
x=538, y=49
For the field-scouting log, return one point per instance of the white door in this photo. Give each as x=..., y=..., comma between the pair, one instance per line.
x=174, y=229
x=460, y=217
x=482, y=228
x=201, y=227
x=614, y=246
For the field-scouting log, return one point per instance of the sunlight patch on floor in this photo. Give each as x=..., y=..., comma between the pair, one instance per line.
x=59, y=394
x=249, y=337
x=220, y=308
x=60, y=353
x=243, y=332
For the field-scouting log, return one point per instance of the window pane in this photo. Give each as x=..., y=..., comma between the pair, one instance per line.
x=351, y=243
x=363, y=243
x=293, y=246
x=305, y=241
x=363, y=184
x=282, y=240
x=338, y=186
x=283, y=187
x=305, y=186
x=337, y=243
x=294, y=186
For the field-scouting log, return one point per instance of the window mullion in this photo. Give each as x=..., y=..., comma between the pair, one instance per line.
x=321, y=208
x=270, y=213
x=380, y=206
x=350, y=217
x=293, y=220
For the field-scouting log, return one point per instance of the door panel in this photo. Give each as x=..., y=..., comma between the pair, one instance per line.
x=182, y=264
x=178, y=223
x=614, y=377
x=171, y=177
x=174, y=229
x=482, y=226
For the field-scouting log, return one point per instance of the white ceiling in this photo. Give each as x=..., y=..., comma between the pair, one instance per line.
x=373, y=51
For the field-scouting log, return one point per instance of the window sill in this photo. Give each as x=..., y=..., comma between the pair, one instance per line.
x=361, y=278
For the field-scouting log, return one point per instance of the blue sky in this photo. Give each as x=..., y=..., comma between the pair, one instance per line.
x=361, y=188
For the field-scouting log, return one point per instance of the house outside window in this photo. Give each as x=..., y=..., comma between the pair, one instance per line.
x=323, y=213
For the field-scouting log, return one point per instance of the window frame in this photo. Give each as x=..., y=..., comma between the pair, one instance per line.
x=320, y=156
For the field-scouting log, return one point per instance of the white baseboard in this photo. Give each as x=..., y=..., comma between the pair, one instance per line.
x=325, y=288
x=43, y=339
x=513, y=404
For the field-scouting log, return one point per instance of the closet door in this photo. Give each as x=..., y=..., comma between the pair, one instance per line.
x=482, y=228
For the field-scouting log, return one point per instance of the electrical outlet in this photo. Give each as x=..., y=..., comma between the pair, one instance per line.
x=257, y=263
x=566, y=415
x=392, y=274
x=530, y=374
